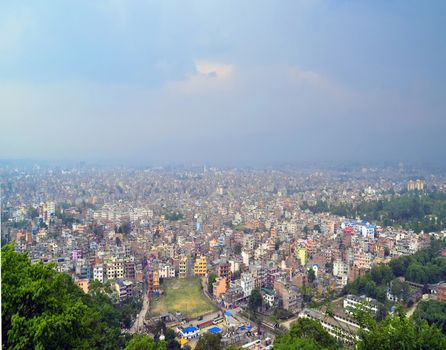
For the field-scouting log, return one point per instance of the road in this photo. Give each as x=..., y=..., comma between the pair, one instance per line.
x=139, y=321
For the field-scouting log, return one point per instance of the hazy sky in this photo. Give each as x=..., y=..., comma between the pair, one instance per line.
x=223, y=82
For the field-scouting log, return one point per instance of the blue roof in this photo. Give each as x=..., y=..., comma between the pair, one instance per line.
x=227, y=313
x=214, y=330
x=190, y=329
x=242, y=328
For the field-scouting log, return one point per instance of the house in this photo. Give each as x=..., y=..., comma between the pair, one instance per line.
x=269, y=296
x=189, y=332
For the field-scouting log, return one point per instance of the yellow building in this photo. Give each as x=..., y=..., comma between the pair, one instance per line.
x=302, y=255
x=200, y=266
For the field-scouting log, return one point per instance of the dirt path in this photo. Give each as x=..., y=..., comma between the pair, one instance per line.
x=139, y=321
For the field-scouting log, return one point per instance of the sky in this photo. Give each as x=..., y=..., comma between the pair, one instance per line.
x=223, y=82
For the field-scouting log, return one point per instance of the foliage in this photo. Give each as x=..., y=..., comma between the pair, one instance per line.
x=171, y=342
x=311, y=275
x=399, y=332
x=433, y=311
x=255, y=301
x=400, y=289
x=211, y=279
x=308, y=334
x=286, y=342
x=416, y=211
x=209, y=341
x=144, y=342
x=44, y=309
x=423, y=267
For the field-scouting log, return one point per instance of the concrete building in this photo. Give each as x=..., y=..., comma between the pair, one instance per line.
x=247, y=283
x=200, y=266
x=98, y=273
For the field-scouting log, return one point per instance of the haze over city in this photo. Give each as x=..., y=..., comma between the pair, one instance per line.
x=223, y=175
x=255, y=82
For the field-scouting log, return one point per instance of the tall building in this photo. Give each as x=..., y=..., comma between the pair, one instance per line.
x=183, y=267
x=200, y=266
x=417, y=185
x=302, y=255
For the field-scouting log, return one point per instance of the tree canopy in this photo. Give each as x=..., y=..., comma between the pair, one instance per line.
x=432, y=311
x=44, y=309
x=306, y=334
x=209, y=341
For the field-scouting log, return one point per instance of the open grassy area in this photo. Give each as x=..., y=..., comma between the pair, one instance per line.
x=183, y=295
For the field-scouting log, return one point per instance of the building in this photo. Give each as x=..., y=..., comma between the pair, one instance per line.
x=340, y=328
x=115, y=269
x=189, y=332
x=98, y=273
x=183, y=267
x=269, y=296
x=247, y=283
x=200, y=266
x=124, y=289
x=417, y=185
x=302, y=255
x=289, y=295
x=82, y=284
x=166, y=271
x=224, y=271
x=219, y=287
x=153, y=281
x=441, y=292
x=352, y=302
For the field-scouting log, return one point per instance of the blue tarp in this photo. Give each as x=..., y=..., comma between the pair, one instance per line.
x=227, y=314
x=214, y=330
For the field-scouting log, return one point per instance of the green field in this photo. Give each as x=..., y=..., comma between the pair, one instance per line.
x=183, y=295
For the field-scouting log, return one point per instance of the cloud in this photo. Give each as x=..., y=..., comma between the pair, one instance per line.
x=208, y=78
x=220, y=111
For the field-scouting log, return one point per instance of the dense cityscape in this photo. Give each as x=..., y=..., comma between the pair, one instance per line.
x=223, y=175
x=193, y=249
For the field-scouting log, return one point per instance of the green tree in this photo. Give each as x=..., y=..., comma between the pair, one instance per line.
x=311, y=275
x=144, y=342
x=255, y=301
x=209, y=341
x=433, y=311
x=44, y=309
x=399, y=332
x=211, y=279
x=172, y=343
x=305, y=334
x=287, y=342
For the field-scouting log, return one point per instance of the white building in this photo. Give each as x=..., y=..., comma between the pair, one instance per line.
x=98, y=273
x=247, y=283
x=352, y=302
x=166, y=271
x=245, y=258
